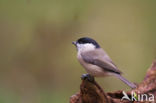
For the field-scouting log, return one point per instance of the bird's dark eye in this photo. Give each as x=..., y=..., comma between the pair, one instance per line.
x=81, y=42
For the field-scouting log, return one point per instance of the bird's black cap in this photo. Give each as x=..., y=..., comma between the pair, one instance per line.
x=84, y=40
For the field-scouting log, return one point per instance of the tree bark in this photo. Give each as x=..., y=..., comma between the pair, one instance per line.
x=91, y=92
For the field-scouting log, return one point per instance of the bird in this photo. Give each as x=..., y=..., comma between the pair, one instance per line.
x=96, y=61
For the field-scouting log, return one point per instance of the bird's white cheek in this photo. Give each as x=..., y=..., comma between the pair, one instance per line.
x=85, y=47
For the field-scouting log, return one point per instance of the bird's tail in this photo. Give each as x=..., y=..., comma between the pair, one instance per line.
x=130, y=84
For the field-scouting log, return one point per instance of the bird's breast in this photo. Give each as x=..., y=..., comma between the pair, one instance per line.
x=91, y=68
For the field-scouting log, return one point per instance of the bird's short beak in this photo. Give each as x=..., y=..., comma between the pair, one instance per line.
x=74, y=42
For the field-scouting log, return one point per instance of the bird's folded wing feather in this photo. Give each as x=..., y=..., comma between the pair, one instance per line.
x=100, y=58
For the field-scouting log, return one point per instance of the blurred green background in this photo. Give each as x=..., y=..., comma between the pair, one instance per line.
x=37, y=60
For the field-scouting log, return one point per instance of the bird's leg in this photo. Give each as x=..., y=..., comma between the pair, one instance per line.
x=88, y=77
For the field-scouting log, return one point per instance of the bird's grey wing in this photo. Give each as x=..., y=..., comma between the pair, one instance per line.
x=100, y=58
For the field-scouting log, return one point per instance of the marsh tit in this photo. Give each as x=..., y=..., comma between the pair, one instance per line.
x=96, y=61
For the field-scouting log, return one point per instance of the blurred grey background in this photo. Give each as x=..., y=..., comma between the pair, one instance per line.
x=37, y=60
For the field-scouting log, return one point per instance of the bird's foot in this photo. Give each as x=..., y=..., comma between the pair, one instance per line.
x=87, y=77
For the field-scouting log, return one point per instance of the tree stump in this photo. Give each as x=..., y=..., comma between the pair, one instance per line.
x=91, y=92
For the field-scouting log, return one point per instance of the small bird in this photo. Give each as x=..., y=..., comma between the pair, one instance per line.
x=96, y=61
